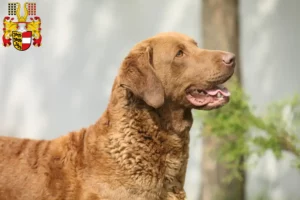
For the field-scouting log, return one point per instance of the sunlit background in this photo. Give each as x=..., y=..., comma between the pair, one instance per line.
x=65, y=84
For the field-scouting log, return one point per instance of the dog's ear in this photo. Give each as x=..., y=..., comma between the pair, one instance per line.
x=138, y=76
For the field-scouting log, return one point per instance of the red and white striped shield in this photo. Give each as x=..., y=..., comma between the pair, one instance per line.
x=22, y=41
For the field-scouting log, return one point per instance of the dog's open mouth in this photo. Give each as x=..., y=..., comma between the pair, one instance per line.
x=211, y=98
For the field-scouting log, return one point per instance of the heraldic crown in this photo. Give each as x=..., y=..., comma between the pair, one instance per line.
x=23, y=32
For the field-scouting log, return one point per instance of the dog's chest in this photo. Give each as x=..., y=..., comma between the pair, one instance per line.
x=149, y=158
x=175, y=155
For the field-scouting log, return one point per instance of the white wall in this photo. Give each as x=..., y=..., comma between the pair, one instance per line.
x=64, y=85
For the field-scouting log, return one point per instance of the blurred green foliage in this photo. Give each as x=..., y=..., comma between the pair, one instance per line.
x=243, y=133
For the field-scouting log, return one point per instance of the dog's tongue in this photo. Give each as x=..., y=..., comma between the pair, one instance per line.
x=220, y=89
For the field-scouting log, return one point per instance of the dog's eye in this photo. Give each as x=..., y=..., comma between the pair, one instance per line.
x=179, y=53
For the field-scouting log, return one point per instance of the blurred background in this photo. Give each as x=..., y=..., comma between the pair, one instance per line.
x=65, y=84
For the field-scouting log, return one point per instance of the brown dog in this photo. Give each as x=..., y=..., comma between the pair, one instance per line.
x=138, y=149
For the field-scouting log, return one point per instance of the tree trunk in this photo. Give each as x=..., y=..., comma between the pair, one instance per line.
x=221, y=32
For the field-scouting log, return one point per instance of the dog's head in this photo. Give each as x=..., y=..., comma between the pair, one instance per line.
x=170, y=67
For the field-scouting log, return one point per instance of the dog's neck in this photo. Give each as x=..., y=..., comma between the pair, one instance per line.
x=129, y=124
x=170, y=117
x=175, y=118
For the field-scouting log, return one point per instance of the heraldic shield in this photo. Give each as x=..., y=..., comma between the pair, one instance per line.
x=22, y=40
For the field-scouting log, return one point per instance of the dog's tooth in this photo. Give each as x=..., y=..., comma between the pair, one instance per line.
x=200, y=92
x=219, y=95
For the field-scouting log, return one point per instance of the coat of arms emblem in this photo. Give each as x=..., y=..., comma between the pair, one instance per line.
x=23, y=32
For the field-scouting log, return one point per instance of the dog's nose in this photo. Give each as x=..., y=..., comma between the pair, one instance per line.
x=229, y=59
